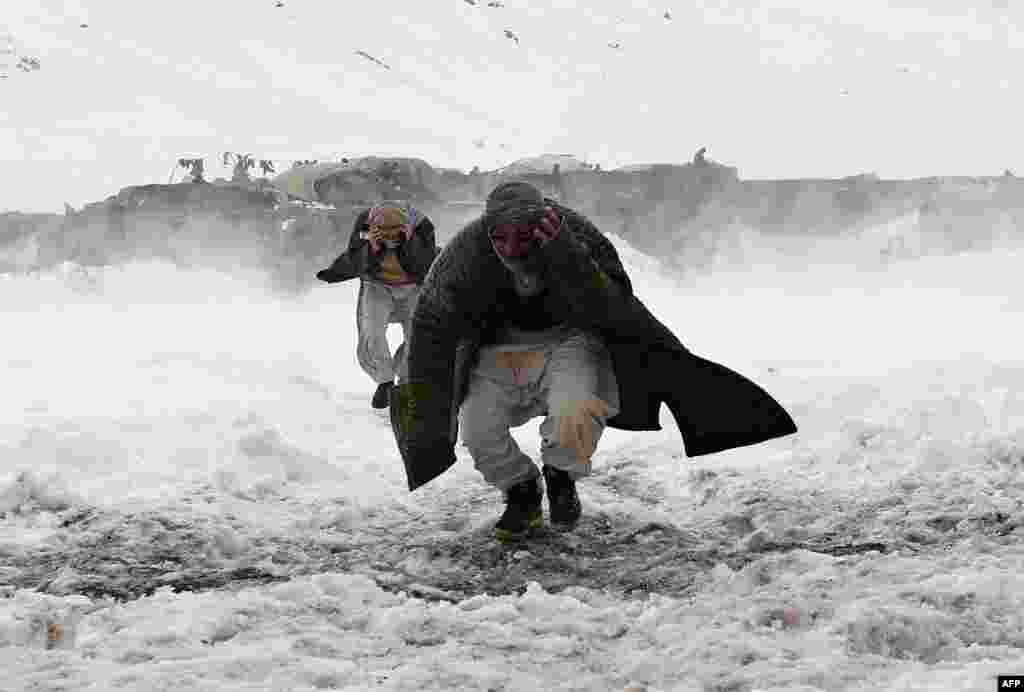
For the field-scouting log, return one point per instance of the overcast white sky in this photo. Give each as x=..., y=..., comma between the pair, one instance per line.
x=814, y=88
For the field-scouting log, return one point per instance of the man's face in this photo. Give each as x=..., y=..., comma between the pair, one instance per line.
x=513, y=241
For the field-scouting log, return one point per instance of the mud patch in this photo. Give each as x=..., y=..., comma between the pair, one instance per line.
x=126, y=556
x=448, y=554
x=603, y=552
x=611, y=553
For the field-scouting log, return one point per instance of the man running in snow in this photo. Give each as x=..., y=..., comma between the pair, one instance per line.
x=390, y=250
x=533, y=362
x=528, y=312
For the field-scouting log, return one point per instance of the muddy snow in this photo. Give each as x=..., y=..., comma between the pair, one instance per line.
x=196, y=495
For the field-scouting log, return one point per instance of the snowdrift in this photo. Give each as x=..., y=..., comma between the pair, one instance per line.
x=195, y=494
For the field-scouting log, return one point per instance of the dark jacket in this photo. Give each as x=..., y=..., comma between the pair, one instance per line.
x=715, y=408
x=415, y=254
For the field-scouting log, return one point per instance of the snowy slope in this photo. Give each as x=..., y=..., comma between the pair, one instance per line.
x=195, y=495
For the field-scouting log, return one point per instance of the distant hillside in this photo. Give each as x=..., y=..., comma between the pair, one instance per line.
x=302, y=217
x=543, y=165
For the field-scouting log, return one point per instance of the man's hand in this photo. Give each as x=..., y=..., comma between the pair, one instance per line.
x=549, y=227
x=576, y=427
x=376, y=234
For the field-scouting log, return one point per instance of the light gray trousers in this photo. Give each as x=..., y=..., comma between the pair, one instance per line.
x=378, y=306
x=506, y=392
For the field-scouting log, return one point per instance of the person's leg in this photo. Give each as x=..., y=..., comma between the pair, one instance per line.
x=577, y=384
x=580, y=399
x=372, y=318
x=373, y=314
x=487, y=413
x=404, y=306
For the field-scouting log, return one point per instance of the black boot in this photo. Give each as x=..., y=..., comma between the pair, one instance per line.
x=382, y=397
x=563, y=502
x=523, y=512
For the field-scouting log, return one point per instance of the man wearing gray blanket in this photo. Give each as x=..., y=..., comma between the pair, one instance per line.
x=528, y=312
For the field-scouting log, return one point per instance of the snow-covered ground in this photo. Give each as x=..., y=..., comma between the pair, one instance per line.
x=196, y=495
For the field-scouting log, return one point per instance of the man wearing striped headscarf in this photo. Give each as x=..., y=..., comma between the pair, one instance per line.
x=390, y=250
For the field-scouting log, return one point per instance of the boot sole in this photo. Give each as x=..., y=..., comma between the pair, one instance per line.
x=565, y=525
x=506, y=536
x=561, y=523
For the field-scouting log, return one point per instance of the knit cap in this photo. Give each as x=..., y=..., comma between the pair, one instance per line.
x=512, y=203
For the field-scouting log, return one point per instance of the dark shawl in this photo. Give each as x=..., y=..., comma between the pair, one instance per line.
x=714, y=407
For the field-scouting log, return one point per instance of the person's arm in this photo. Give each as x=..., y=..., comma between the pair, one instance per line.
x=359, y=227
x=418, y=252
x=351, y=263
x=584, y=268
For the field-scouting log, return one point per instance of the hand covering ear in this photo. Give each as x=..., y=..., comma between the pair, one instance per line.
x=549, y=226
x=376, y=238
x=576, y=426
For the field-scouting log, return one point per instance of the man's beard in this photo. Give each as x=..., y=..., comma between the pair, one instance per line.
x=527, y=271
x=528, y=285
